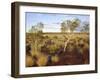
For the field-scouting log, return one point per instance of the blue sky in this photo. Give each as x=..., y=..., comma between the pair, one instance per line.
x=50, y=19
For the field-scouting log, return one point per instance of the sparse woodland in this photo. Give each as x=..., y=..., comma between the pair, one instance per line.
x=63, y=48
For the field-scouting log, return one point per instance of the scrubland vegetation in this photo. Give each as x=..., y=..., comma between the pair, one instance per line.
x=51, y=49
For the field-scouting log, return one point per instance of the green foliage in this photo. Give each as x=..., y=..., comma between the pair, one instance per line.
x=85, y=27
x=65, y=25
x=37, y=28
x=75, y=24
x=70, y=25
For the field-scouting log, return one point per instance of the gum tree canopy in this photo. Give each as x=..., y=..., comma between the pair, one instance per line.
x=85, y=27
x=70, y=25
x=37, y=28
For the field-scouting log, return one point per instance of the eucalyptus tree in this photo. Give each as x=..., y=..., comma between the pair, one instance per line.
x=85, y=27
x=65, y=26
x=36, y=32
x=74, y=24
x=70, y=25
